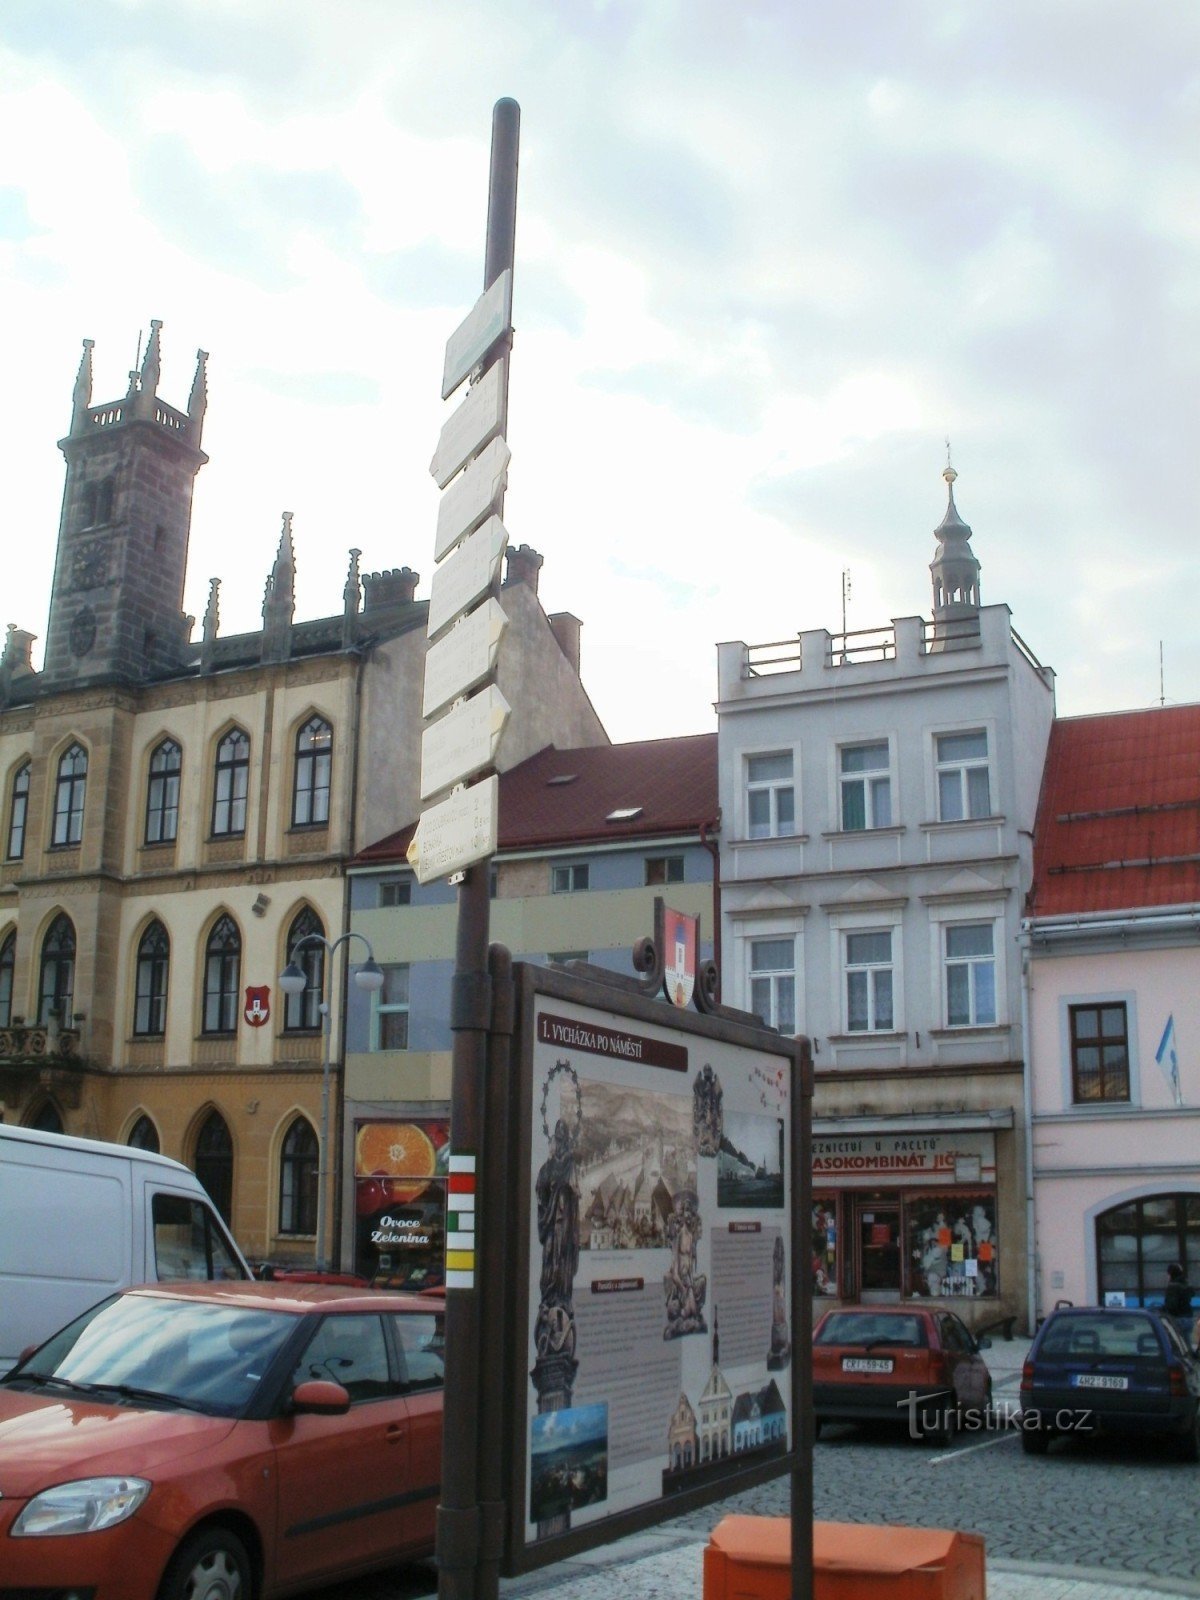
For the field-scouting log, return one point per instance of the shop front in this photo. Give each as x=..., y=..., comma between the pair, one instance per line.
x=912, y=1214
x=400, y=1176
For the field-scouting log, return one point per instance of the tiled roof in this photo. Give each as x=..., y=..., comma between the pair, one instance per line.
x=1118, y=823
x=564, y=798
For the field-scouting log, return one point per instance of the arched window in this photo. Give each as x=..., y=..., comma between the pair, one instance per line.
x=8, y=961
x=231, y=781
x=302, y=1013
x=299, y=1165
x=153, y=965
x=56, y=986
x=314, y=763
x=162, y=794
x=69, y=793
x=1137, y=1242
x=222, y=975
x=47, y=1119
x=144, y=1136
x=214, y=1162
x=17, y=812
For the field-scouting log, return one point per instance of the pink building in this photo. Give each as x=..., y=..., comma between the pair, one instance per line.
x=1111, y=990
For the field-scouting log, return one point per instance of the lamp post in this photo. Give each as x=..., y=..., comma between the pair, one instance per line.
x=293, y=981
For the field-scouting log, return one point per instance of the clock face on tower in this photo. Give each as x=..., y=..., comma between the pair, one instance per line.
x=89, y=566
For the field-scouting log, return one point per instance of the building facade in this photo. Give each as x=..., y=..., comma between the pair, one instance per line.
x=878, y=793
x=1111, y=956
x=587, y=839
x=175, y=814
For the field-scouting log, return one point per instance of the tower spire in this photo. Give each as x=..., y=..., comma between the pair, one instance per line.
x=955, y=572
x=81, y=399
x=198, y=399
x=279, y=601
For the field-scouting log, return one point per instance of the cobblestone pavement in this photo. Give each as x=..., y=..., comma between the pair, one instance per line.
x=1092, y=1521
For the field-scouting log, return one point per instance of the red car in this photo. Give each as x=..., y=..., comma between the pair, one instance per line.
x=222, y=1440
x=912, y=1364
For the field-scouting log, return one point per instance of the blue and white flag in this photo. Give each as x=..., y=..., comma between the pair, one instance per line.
x=1168, y=1060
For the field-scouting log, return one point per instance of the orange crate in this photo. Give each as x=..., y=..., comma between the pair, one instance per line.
x=749, y=1558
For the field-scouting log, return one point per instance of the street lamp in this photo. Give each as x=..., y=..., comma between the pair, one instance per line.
x=293, y=980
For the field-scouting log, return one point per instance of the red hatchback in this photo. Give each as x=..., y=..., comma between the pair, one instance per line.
x=222, y=1440
x=918, y=1365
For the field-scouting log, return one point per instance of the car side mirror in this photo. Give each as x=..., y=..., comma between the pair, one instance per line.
x=320, y=1397
x=983, y=1343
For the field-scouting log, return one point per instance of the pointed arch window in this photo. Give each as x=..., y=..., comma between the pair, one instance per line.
x=162, y=793
x=231, y=783
x=56, y=985
x=214, y=1162
x=144, y=1136
x=222, y=975
x=18, y=811
x=314, y=766
x=302, y=1013
x=298, y=1171
x=69, y=791
x=153, y=968
x=48, y=1119
x=8, y=962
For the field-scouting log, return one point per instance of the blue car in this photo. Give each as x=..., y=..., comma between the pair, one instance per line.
x=1106, y=1369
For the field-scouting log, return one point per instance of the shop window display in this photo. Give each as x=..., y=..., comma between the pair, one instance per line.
x=824, y=1247
x=400, y=1173
x=952, y=1245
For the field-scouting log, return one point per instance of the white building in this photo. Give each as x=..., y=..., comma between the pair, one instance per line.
x=878, y=793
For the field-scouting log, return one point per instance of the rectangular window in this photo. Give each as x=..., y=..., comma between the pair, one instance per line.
x=970, y=975
x=773, y=982
x=569, y=880
x=866, y=786
x=395, y=892
x=664, y=869
x=869, y=982
x=391, y=1010
x=1099, y=1053
x=964, y=789
x=953, y=1244
x=770, y=797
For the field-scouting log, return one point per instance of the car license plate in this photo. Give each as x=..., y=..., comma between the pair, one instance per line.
x=866, y=1363
x=1097, y=1380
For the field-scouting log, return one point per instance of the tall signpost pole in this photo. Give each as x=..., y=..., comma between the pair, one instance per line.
x=458, y=1520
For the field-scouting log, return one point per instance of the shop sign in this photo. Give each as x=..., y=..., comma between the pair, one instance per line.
x=903, y=1158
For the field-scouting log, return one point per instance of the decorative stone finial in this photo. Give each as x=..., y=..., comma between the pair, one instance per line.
x=198, y=399
x=212, y=611
x=81, y=398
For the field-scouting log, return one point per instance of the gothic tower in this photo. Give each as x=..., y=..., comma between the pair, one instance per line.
x=116, y=607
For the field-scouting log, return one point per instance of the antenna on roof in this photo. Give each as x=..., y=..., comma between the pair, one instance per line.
x=845, y=595
x=1162, y=693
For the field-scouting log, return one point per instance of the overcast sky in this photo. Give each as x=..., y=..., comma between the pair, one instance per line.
x=770, y=254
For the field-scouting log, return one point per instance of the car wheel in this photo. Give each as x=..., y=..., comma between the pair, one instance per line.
x=1034, y=1441
x=941, y=1427
x=211, y=1566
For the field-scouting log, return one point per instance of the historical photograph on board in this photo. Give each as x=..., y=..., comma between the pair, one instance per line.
x=750, y=1165
x=569, y=1465
x=636, y=1153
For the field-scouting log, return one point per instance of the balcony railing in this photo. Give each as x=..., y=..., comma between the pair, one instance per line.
x=38, y=1044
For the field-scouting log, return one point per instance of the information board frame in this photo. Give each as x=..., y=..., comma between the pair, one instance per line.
x=598, y=1029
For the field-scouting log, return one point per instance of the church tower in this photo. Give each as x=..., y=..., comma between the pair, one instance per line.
x=116, y=607
x=955, y=573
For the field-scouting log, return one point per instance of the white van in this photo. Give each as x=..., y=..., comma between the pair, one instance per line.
x=80, y=1219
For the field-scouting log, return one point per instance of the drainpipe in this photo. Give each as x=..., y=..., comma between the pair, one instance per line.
x=714, y=851
x=1027, y=1100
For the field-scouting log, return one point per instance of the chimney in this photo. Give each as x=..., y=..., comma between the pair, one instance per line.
x=524, y=564
x=18, y=651
x=393, y=588
x=566, y=629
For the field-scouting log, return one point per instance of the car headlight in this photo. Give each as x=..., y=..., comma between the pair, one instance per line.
x=82, y=1507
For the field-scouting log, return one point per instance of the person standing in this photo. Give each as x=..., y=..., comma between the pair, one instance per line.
x=1177, y=1301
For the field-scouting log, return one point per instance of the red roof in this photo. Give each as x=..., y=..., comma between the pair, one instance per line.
x=1118, y=821
x=560, y=799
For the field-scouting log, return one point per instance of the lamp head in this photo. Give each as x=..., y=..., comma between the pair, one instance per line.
x=292, y=980
x=370, y=975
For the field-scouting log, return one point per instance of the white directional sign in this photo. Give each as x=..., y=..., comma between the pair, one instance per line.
x=463, y=657
x=457, y=832
x=478, y=419
x=463, y=742
x=488, y=320
x=468, y=574
x=472, y=497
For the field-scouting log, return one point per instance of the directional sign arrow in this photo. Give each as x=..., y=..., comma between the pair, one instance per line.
x=467, y=575
x=479, y=418
x=457, y=832
x=463, y=742
x=472, y=497
x=464, y=657
x=489, y=319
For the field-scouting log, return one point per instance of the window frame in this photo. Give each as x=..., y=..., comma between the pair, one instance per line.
x=8, y=972
x=771, y=976
x=155, y=966
x=302, y=1012
x=868, y=781
x=222, y=994
x=162, y=792
x=382, y=1008
x=773, y=786
x=573, y=877
x=213, y=1164
x=1074, y=1009
x=312, y=773
x=971, y=961
x=231, y=772
x=964, y=766
x=70, y=784
x=60, y=996
x=672, y=870
x=18, y=812
x=392, y=893
x=872, y=971
x=299, y=1180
